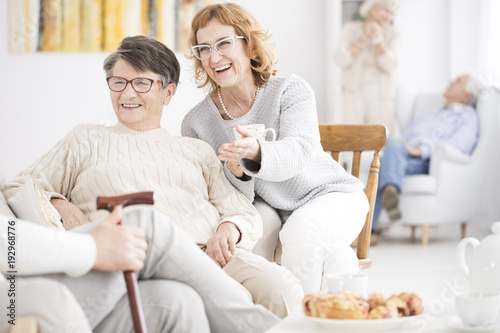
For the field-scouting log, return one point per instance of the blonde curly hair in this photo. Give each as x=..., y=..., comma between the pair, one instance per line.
x=260, y=50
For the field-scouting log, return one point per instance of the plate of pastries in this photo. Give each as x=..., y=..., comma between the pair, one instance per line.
x=375, y=313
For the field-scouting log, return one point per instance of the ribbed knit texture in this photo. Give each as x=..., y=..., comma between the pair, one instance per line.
x=294, y=168
x=185, y=174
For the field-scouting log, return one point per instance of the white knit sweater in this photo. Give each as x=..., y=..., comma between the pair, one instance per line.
x=294, y=168
x=185, y=174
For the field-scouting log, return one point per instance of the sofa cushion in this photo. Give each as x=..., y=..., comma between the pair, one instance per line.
x=31, y=204
x=419, y=184
x=4, y=207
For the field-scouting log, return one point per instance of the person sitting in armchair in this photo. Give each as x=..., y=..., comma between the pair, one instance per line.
x=455, y=123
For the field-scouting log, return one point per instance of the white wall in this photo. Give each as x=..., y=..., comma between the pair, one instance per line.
x=425, y=52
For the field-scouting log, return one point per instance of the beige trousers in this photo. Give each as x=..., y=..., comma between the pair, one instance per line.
x=266, y=246
x=269, y=284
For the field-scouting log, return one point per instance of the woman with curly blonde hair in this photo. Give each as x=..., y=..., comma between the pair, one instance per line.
x=290, y=180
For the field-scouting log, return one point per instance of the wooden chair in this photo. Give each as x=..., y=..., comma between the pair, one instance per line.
x=358, y=139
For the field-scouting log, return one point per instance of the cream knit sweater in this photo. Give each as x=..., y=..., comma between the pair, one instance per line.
x=185, y=174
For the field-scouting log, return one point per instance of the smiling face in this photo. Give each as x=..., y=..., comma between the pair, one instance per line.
x=230, y=70
x=139, y=111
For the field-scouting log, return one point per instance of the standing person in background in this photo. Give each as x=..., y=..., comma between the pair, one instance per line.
x=322, y=207
x=367, y=54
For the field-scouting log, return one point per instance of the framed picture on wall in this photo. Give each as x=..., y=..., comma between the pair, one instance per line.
x=97, y=25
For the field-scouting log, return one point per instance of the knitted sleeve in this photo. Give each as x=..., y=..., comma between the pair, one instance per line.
x=247, y=186
x=298, y=139
x=231, y=204
x=200, y=123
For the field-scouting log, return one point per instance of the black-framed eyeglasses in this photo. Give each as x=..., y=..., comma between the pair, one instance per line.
x=140, y=84
x=223, y=47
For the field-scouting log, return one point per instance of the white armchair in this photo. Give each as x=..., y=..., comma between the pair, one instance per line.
x=450, y=192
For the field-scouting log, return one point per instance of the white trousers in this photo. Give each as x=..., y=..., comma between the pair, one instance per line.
x=316, y=238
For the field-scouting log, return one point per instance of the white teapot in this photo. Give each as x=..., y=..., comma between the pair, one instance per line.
x=483, y=270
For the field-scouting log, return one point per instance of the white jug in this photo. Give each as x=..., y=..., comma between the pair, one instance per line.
x=483, y=270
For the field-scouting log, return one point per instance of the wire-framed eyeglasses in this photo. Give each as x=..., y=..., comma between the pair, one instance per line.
x=223, y=47
x=140, y=84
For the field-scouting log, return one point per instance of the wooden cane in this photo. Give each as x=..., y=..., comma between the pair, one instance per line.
x=109, y=203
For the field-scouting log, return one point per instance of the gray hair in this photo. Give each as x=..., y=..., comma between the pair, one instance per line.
x=146, y=54
x=367, y=5
x=474, y=86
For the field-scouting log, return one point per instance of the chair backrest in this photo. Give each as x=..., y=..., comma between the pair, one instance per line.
x=357, y=139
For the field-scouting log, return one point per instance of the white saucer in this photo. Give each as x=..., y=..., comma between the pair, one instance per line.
x=456, y=323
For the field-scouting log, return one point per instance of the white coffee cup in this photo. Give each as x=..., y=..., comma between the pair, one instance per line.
x=357, y=283
x=259, y=131
x=477, y=309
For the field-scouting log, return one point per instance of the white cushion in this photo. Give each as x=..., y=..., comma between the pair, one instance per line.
x=31, y=204
x=4, y=208
x=419, y=184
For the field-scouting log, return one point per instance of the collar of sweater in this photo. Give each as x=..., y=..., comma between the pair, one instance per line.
x=157, y=133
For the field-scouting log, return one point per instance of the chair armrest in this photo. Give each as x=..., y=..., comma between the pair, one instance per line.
x=444, y=151
x=448, y=154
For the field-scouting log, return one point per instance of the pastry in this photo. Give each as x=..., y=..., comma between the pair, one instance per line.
x=375, y=299
x=383, y=312
x=395, y=302
x=344, y=305
x=413, y=302
x=348, y=305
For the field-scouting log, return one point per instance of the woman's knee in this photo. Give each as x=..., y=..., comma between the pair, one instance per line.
x=270, y=285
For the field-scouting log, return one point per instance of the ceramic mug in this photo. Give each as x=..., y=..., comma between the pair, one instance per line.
x=477, y=309
x=357, y=283
x=259, y=131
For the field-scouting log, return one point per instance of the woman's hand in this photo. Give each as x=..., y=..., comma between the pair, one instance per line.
x=223, y=244
x=247, y=147
x=235, y=168
x=119, y=247
x=71, y=216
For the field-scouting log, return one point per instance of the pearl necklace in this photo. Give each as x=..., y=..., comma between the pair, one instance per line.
x=224, y=107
